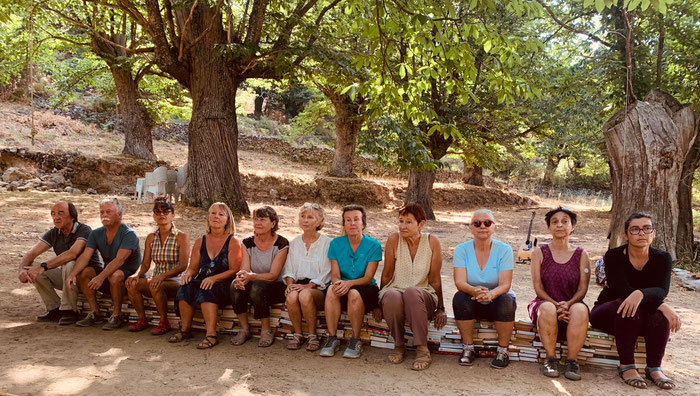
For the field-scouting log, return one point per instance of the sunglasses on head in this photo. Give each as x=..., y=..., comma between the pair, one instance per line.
x=486, y=223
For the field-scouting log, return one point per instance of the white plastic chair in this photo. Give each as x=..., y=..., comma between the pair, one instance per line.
x=155, y=184
x=139, y=188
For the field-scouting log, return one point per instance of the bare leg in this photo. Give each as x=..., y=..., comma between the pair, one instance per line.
x=210, y=312
x=466, y=330
x=294, y=310
x=84, y=277
x=308, y=299
x=332, y=310
x=116, y=287
x=505, y=332
x=356, y=311
x=548, y=327
x=160, y=297
x=186, y=315
x=576, y=331
x=135, y=293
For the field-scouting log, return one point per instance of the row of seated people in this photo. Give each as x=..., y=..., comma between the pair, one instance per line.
x=315, y=272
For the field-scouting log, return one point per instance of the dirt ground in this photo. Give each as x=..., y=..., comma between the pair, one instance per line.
x=39, y=358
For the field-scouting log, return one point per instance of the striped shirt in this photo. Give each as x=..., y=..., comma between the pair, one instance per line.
x=166, y=256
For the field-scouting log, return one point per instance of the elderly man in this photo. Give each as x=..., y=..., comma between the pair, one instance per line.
x=119, y=247
x=67, y=238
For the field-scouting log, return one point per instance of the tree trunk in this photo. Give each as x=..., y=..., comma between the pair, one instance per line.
x=684, y=235
x=135, y=122
x=648, y=146
x=420, y=181
x=212, y=157
x=349, y=117
x=420, y=190
x=550, y=170
x=473, y=175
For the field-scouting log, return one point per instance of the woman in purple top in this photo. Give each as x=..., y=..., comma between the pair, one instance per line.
x=560, y=275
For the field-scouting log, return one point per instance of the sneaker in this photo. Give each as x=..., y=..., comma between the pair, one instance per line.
x=90, y=319
x=68, y=318
x=114, y=322
x=551, y=367
x=468, y=356
x=501, y=360
x=354, y=349
x=330, y=347
x=163, y=327
x=50, y=316
x=573, y=370
x=139, y=325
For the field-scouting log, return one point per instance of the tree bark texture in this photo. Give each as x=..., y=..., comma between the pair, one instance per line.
x=420, y=181
x=648, y=144
x=473, y=175
x=550, y=169
x=213, y=173
x=136, y=124
x=349, y=117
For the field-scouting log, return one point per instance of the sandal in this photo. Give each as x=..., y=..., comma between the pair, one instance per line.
x=206, y=343
x=296, y=342
x=422, y=361
x=180, y=336
x=314, y=343
x=266, y=338
x=636, y=382
x=396, y=356
x=663, y=383
x=241, y=337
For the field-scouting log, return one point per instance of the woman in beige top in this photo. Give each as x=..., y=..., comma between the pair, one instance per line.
x=411, y=285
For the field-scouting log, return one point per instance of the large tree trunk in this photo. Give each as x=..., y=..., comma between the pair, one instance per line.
x=135, y=121
x=684, y=236
x=349, y=117
x=420, y=181
x=648, y=145
x=212, y=173
x=550, y=169
x=473, y=175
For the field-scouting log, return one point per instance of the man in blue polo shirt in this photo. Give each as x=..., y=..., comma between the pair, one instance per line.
x=67, y=238
x=118, y=245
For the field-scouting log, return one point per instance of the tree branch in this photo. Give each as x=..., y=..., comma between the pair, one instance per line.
x=571, y=28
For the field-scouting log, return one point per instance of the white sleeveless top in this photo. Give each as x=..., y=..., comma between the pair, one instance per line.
x=412, y=273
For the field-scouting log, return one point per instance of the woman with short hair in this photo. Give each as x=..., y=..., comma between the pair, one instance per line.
x=354, y=260
x=258, y=283
x=560, y=275
x=632, y=303
x=411, y=285
x=307, y=273
x=483, y=272
x=169, y=249
x=215, y=259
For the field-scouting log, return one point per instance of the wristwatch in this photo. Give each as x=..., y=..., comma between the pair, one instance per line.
x=44, y=266
x=440, y=308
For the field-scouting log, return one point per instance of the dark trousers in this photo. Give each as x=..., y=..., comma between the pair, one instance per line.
x=653, y=325
x=501, y=309
x=259, y=293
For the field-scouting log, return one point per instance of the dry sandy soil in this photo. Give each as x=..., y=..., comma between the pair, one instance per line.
x=39, y=358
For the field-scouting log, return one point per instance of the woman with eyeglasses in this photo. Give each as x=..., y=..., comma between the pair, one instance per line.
x=483, y=272
x=307, y=273
x=215, y=259
x=169, y=249
x=560, y=275
x=632, y=303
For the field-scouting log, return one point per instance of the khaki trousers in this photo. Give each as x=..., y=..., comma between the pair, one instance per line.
x=47, y=283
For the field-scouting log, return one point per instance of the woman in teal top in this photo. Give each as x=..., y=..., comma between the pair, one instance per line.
x=354, y=259
x=483, y=271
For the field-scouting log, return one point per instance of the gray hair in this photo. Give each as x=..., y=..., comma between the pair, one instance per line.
x=485, y=211
x=317, y=210
x=116, y=203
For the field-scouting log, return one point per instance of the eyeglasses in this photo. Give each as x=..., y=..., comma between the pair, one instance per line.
x=486, y=223
x=161, y=211
x=647, y=229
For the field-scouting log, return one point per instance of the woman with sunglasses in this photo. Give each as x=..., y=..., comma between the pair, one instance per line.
x=483, y=272
x=215, y=259
x=632, y=303
x=560, y=275
x=169, y=249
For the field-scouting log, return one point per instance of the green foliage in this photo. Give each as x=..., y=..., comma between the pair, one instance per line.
x=315, y=123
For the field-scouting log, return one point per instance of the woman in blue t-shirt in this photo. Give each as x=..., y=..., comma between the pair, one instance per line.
x=483, y=271
x=354, y=259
